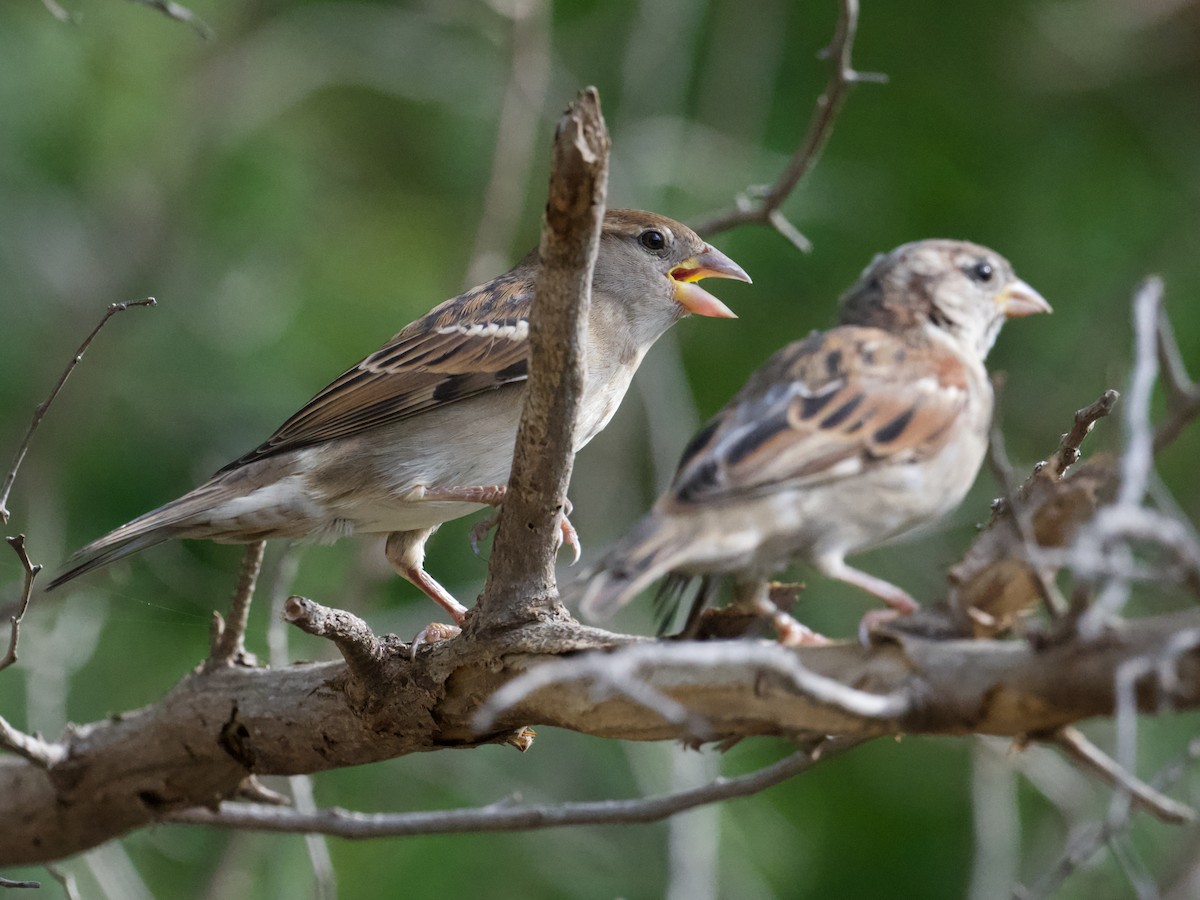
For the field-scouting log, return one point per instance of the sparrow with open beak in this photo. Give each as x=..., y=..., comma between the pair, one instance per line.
x=840, y=442
x=422, y=431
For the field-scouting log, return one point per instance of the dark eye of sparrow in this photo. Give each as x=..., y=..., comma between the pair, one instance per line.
x=652, y=240
x=982, y=271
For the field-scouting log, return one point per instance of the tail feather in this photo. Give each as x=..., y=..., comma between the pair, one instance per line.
x=646, y=554
x=147, y=530
x=90, y=560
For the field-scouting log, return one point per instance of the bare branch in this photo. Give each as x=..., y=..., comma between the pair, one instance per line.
x=1101, y=539
x=503, y=816
x=39, y=752
x=362, y=650
x=1010, y=565
x=1021, y=513
x=1183, y=394
x=1068, y=452
x=1076, y=745
x=31, y=571
x=1086, y=843
x=521, y=582
x=624, y=671
x=198, y=744
x=179, y=13
x=762, y=205
x=8, y=883
x=1138, y=458
x=228, y=645
x=40, y=412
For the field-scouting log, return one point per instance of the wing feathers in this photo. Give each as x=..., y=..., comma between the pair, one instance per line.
x=822, y=409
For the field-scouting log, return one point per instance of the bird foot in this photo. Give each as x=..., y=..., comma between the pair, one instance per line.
x=479, y=531
x=876, y=618
x=567, y=535
x=793, y=634
x=433, y=633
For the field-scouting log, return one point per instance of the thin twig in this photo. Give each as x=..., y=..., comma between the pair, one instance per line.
x=1022, y=516
x=1183, y=394
x=1085, y=844
x=762, y=205
x=1138, y=459
x=41, y=753
x=180, y=14
x=1076, y=745
x=40, y=412
x=1068, y=452
x=7, y=883
x=503, y=816
x=1137, y=466
x=31, y=571
x=229, y=645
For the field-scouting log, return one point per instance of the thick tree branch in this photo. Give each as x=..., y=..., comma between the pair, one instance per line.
x=196, y=746
x=521, y=583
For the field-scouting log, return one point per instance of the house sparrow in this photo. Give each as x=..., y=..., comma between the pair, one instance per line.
x=422, y=431
x=841, y=442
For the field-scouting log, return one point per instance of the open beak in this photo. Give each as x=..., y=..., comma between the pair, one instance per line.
x=710, y=263
x=1018, y=299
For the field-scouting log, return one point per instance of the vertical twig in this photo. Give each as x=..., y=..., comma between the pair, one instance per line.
x=1137, y=463
x=40, y=412
x=521, y=574
x=1183, y=394
x=31, y=571
x=229, y=642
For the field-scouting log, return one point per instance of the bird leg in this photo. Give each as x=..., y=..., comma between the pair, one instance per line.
x=493, y=495
x=405, y=550
x=755, y=596
x=899, y=600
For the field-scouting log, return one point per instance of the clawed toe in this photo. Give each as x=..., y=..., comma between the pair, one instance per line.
x=569, y=536
x=794, y=634
x=480, y=531
x=874, y=619
x=432, y=634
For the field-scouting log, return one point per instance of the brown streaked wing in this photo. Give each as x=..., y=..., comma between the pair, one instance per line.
x=806, y=417
x=445, y=356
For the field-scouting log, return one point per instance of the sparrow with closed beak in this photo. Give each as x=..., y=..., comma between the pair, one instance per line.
x=839, y=443
x=422, y=431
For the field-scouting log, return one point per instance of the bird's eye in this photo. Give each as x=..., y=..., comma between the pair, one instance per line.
x=652, y=240
x=982, y=271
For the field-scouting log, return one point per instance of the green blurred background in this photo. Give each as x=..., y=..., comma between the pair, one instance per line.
x=297, y=188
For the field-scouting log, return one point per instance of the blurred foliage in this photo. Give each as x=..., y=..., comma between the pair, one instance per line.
x=302, y=185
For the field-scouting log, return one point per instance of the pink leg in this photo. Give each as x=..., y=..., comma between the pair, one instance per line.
x=900, y=601
x=405, y=550
x=791, y=633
